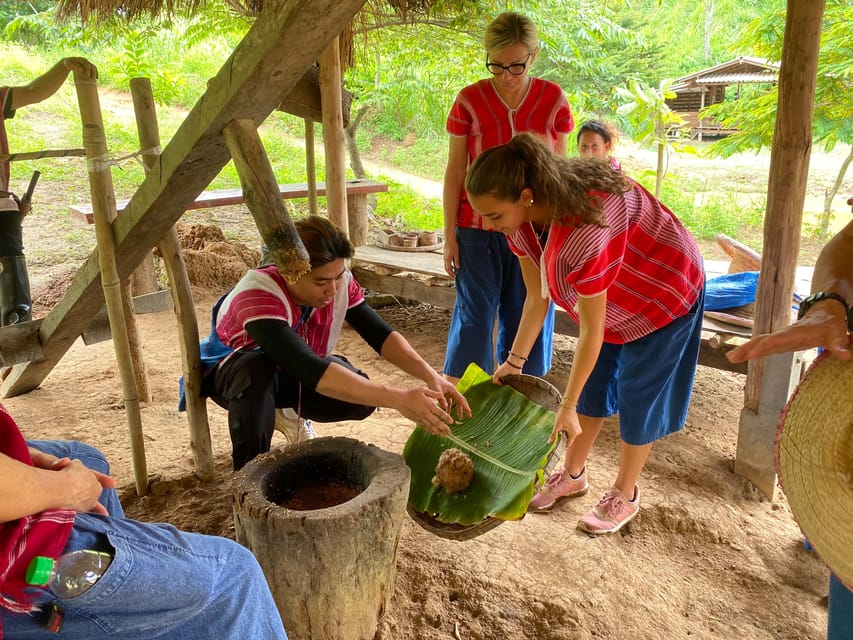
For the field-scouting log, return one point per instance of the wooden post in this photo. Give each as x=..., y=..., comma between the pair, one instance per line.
x=182, y=298
x=786, y=190
x=333, y=135
x=261, y=194
x=311, y=167
x=104, y=208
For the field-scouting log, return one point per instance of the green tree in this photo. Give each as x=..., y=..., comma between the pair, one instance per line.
x=653, y=121
x=755, y=114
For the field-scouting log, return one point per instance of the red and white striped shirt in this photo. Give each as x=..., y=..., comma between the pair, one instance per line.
x=262, y=294
x=41, y=534
x=644, y=258
x=480, y=115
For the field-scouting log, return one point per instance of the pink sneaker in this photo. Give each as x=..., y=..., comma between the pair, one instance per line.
x=560, y=484
x=611, y=513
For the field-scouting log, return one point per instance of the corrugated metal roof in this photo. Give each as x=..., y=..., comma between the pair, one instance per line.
x=732, y=78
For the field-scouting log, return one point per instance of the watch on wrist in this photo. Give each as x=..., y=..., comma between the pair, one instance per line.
x=814, y=298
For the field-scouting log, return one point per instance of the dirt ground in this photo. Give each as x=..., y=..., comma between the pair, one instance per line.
x=707, y=557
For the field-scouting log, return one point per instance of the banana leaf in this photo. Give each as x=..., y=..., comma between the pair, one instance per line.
x=506, y=438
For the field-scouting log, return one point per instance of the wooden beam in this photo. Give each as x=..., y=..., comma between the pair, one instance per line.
x=786, y=191
x=333, y=139
x=271, y=217
x=169, y=247
x=282, y=44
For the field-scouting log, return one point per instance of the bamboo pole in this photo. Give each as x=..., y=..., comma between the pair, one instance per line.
x=261, y=194
x=333, y=135
x=173, y=259
x=311, y=167
x=38, y=155
x=104, y=208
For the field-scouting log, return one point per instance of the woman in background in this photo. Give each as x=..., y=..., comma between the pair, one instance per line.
x=597, y=139
x=485, y=114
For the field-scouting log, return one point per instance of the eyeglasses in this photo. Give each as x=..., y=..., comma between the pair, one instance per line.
x=516, y=68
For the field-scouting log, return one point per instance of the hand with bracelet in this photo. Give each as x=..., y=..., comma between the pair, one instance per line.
x=568, y=422
x=513, y=365
x=825, y=316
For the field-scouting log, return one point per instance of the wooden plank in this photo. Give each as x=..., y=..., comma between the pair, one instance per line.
x=285, y=40
x=428, y=263
x=99, y=329
x=402, y=287
x=20, y=343
x=228, y=197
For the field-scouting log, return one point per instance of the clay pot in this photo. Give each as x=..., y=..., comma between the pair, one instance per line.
x=410, y=239
x=330, y=567
x=427, y=238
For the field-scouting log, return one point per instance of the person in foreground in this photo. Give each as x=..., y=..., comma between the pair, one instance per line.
x=275, y=341
x=15, y=301
x=826, y=321
x=162, y=583
x=629, y=274
x=489, y=285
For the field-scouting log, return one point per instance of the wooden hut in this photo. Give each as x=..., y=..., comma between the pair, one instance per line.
x=701, y=89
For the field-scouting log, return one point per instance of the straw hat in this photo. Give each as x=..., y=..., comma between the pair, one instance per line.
x=814, y=458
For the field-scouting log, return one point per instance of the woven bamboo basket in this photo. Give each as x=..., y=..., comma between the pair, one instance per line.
x=545, y=395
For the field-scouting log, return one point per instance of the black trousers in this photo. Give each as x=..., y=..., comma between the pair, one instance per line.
x=11, y=234
x=251, y=387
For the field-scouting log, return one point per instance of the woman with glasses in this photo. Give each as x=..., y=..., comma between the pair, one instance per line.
x=488, y=277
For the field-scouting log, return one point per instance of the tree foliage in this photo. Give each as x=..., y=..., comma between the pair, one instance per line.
x=754, y=115
x=654, y=123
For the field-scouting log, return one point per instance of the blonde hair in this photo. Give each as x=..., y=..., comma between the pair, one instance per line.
x=509, y=29
x=560, y=183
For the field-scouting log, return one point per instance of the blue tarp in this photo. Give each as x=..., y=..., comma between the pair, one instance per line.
x=730, y=290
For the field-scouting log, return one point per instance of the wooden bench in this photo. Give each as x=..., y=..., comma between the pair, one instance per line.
x=357, y=192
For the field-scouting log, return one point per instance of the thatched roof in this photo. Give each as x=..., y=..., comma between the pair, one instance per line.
x=102, y=10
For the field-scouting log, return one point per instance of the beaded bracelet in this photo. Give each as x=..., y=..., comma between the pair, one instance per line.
x=515, y=355
x=514, y=366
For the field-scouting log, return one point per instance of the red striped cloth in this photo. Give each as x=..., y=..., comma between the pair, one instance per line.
x=480, y=115
x=262, y=294
x=41, y=534
x=644, y=258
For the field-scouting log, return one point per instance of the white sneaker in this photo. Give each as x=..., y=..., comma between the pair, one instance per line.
x=295, y=428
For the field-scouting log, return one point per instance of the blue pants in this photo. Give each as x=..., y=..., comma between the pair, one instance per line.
x=648, y=382
x=840, y=618
x=162, y=584
x=488, y=285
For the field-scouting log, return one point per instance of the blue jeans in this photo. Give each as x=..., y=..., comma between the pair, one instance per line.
x=840, y=618
x=162, y=584
x=489, y=284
